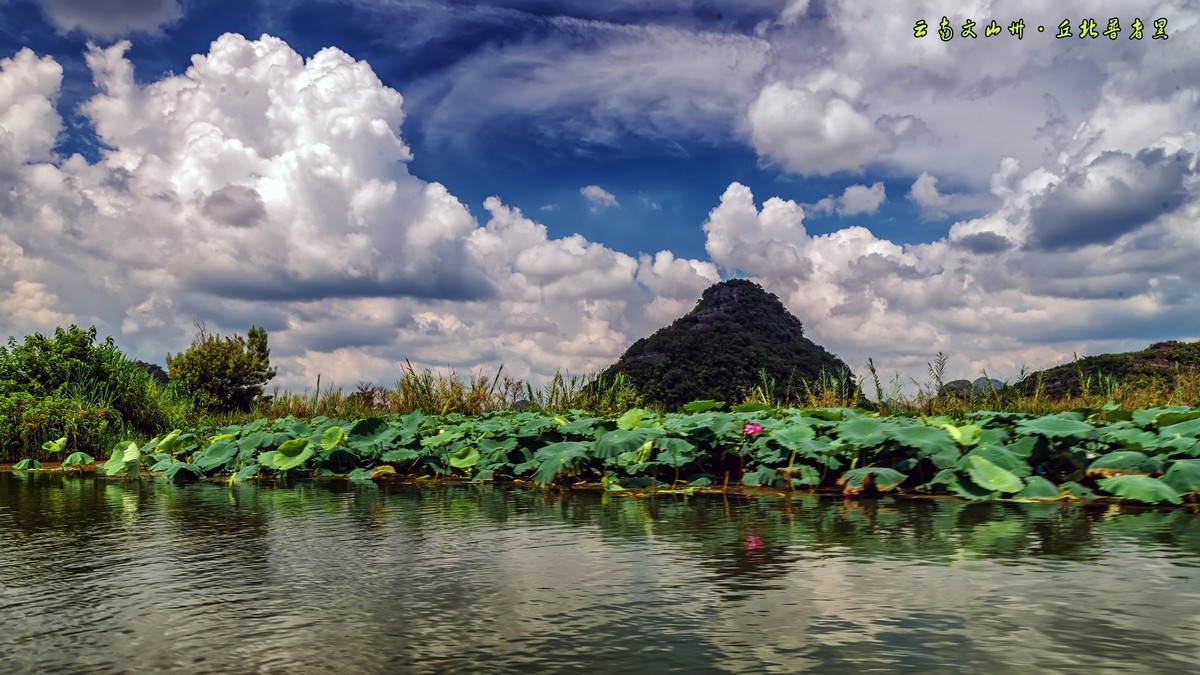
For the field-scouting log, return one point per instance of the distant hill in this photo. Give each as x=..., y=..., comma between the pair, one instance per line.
x=716, y=350
x=1156, y=366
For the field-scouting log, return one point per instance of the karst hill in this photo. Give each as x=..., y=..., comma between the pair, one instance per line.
x=716, y=350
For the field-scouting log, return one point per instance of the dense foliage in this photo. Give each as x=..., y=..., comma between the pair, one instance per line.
x=737, y=336
x=224, y=374
x=1158, y=366
x=71, y=383
x=1149, y=456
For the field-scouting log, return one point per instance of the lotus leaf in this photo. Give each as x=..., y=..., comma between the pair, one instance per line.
x=991, y=477
x=1063, y=425
x=1140, y=488
x=764, y=476
x=884, y=479
x=78, y=459
x=632, y=418
x=56, y=445
x=961, y=485
x=1184, y=476
x=171, y=444
x=556, y=459
x=675, y=452
x=27, y=464
x=217, y=455
x=332, y=436
x=1001, y=457
x=792, y=436
x=247, y=472
x=1130, y=438
x=703, y=406
x=182, y=472
x=966, y=435
x=750, y=407
x=290, y=454
x=933, y=443
x=1186, y=429
x=1076, y=491
x=619, y=441
x=1124, y=462
x=464, y=458
x=863, y=432
x=399, y=455
x=1037, y=489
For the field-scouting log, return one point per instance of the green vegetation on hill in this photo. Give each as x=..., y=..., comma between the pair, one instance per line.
x=1160, y=366
x=723, y=347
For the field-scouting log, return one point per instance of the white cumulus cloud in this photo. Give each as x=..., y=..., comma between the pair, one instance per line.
x=598, y=198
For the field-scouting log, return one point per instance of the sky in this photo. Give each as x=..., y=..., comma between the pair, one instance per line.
x=539, y=183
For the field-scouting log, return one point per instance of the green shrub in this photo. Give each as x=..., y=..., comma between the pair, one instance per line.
x=224, y=374
x=27, y=422
x=73, y=365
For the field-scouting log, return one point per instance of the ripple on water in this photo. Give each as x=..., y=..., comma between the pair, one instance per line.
x=126, y=577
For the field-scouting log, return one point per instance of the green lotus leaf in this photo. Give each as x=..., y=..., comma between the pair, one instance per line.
x=292, y=454
x=217, y=455
x=862, y=432
x=78, y=459
x=750, y=407
x=247, y=472
x=27, y=464
x=1038, y=489
x=633, y=418
x=803, y=475
x=581, y=427
x=557, y=459
x=703, y=406
x=1076, y=491
x=55, y=446
x=1140, y=488
x=400, y=455
x=936, y=444
x=792, y=436
x=989, y=476
x=1062, y=425
x=763, y=476
x=966, y=435
x=619, y=441
x=1186, y=429
x=170, y=443
x=961, y=485
x=1172, y=418
x=332, y=436
x=1124, y=462
x=883, y=478
x=1001, y=457
x=1184, y=476
x=1130, y=438
x=163, y=463
x=182, y=472
x=465, y=458
x=674, y=452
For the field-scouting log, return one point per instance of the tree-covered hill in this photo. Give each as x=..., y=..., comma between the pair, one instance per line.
x=716, y=350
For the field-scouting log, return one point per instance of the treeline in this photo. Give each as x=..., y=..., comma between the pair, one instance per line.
x=72, y=385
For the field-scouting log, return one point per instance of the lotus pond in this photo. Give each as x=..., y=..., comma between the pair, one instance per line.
x=1142, y=456
x=106, y=575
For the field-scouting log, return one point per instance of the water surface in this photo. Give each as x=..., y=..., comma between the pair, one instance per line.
x=115, y=576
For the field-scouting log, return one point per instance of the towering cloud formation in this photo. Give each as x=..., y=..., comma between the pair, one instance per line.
x=262, y=187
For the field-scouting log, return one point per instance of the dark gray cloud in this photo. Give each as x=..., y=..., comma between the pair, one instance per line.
x=464, y=284
x=1113, y=195
x=111, y=18
x=983, y=243
x=235, y=205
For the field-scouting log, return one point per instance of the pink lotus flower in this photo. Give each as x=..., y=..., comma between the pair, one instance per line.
x=752, y=429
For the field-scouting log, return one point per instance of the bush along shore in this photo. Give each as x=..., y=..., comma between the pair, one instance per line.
x=1147, y=456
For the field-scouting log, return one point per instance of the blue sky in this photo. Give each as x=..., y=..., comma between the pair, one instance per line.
x=542, y=183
